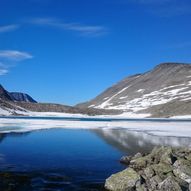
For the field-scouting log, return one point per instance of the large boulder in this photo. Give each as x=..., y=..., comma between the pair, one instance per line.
x=169, y=184
x=182, y=169
x=123, y=181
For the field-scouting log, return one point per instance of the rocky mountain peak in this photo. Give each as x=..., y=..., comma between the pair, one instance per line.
x=15, y=96
x=165, y=90
x=167, y=65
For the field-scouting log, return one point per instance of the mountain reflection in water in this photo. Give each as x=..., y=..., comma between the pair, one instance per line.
x=132, y=142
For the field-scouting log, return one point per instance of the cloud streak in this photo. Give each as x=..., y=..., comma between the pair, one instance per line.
x=3, y=71
x=9, y=58
x=14, y=55
x=87, y=30
x=8, y=28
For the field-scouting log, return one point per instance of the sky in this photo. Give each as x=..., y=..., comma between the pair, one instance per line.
x=69, y=51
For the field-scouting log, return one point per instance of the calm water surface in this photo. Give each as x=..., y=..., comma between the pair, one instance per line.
x=63, y=159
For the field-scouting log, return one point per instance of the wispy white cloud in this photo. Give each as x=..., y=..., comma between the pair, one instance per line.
x=88, y=30
x=10, y=58
x=8, y=28
x=14, y=55
x=3, y=71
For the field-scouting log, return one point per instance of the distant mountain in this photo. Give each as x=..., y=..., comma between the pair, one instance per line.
x=4, y=95
x=164, y=91
x=15, y=96
x=14, y=103
x=21, y=97
x=8, y=102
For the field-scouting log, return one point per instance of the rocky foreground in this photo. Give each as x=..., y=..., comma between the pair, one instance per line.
x=164, y=169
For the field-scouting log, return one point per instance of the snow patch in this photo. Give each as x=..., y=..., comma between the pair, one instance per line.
x=141, y=90
x=161, y=96
x=4, y=112
x=104, y=104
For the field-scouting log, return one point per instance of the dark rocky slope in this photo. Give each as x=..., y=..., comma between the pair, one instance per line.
x=21, y=97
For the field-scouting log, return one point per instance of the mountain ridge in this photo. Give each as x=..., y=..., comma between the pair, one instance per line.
x=163, y=91
x=16, y=103
x=166, y=83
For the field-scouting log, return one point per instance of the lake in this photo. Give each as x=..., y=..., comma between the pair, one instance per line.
x=69, y=158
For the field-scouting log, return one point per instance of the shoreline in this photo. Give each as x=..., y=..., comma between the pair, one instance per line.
x=164, y=168
x=170, y=128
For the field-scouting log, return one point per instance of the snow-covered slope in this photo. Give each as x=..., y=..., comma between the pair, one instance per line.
x=164, y=91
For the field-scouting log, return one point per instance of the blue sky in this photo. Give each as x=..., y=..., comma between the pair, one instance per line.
x=68, y=51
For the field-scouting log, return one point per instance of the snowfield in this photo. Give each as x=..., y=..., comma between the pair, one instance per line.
x=146, y=101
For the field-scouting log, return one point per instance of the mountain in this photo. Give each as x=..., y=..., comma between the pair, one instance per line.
x=4, y=94
x=164, y=91
x=8, y=102
x=17, y=96
x=15, y=103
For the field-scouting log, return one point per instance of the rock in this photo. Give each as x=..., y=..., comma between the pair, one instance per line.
x=167, y=156
x=188, y=157
x=149, y=172
x=123, y=181
x=162, y=170
x=125, y=160
x=153, y=182
x=169, y=184
x=140, y=163
x=138, y=155
x=162, y=154
x=141, y=187
x=182, y=152
x=182, y=169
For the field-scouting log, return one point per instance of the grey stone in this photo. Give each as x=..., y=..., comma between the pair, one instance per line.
x=153, y=182
x=182, y=169
x=148, y=172
x=123, y=181
x=138, y=155
x=162, y=169
x=169, y=184
x=125, y=160
x=140, y=163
